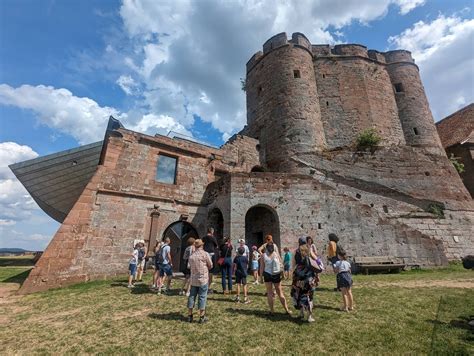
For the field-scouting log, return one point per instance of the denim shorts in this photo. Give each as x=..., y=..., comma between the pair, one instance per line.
x=132, y=267
x=286, y=267
x=254, y=265
x=201, y=293
x=165, y=269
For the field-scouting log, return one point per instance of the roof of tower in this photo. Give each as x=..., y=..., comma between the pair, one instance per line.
x=457, y=127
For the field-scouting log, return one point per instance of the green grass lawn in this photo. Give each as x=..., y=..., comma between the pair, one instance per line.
x=395, y=314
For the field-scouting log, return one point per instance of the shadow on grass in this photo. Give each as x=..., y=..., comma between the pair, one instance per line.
x=167, y=316
x=18, y=278
x=265, y=314
x=461, y=323
x=16, y=262
x=325, y=307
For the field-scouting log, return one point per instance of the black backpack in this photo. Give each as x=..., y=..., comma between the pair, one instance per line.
x=159, y=255
x=141, y=254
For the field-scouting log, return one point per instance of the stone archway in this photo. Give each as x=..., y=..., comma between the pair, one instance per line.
x=179, y=232
x=216, y=220
x=261, y=220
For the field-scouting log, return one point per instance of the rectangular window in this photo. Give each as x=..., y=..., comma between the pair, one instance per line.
x=166, y=169
x=296, y=74
x=415, y=131
x=399, y=88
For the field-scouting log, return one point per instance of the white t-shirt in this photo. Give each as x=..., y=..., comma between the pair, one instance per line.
x=134, y=259
x=165, y=250
x=342, y=266
x=255, y=256
x=247, y=251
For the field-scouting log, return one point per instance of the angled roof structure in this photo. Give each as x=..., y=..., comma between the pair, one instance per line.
x=56, y=181
x=457, y=127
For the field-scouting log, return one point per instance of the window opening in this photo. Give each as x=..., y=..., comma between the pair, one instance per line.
x=166, y=169
x=296, y=74
x=415, y=130
x=399, y=88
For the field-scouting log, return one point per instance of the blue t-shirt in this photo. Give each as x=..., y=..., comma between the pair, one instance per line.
x=242, y=265
x=287, y=258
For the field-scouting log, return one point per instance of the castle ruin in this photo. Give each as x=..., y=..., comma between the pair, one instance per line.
x=292, y=170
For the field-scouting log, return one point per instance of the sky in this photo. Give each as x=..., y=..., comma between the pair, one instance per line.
x=175, y=66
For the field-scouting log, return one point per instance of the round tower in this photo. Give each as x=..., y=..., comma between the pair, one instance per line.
x=282, y=101
x=413, y=108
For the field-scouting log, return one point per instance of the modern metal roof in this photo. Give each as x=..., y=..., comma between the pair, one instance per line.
x=56, y=181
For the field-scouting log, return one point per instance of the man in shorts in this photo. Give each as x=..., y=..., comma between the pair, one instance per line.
x=199, y=263
x=165, y=265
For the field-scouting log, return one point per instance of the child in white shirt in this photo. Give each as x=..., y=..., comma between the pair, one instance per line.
x=344, y=281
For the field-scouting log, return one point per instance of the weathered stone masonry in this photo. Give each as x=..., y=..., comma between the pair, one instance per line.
x=291, y=171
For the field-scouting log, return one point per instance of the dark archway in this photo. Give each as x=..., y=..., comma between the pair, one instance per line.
x=216, y=220
x=261, y=220
x=257, y=169
x=179, y=232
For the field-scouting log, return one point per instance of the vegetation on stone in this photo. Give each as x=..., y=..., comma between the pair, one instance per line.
x=368, y=138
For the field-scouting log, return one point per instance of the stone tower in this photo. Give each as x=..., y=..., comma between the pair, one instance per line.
x=282, y=102
x=413, y=108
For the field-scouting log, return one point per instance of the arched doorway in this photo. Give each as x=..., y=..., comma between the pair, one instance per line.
x=216, y=220
x=179, y=232
x=261, y=220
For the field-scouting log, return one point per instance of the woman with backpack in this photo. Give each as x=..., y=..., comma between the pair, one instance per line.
x=186, y=270
x=304, y=281
x=271, y=269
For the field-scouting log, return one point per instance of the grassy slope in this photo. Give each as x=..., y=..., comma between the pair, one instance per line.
x=106, y=317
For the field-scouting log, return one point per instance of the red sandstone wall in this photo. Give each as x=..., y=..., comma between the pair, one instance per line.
x=413, y=107
x=283, y=111
x=355, y=94
x=95, y=240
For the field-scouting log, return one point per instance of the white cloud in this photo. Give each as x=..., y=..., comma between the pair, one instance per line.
x=82, y=118
x=15, y=202
x=407, y=5
x=190, y=55
x=128, y=84
x=444, y=52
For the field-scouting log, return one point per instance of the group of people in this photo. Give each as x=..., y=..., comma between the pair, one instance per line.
x=204, y=258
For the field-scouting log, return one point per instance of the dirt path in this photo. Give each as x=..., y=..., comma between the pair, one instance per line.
x=460, y=283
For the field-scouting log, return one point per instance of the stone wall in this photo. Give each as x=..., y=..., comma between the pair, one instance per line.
x=120, y=201
x=304, y=206
x=282, y=102
x=355, y=93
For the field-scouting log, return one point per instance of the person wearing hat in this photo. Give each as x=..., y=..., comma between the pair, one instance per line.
x=245, y=247
x=199, y=263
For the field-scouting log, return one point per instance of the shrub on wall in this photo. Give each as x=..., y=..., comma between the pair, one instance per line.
x=458, y=165
x=368, y=138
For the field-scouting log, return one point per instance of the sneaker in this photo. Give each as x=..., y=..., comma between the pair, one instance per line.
x=187, y=294
x=130, y=286
x=153, y=286
x=237, y=299
x=181, y=292
x=190, y=318
x=203, y=319
x=310, y=319
x=246, y=301
x=159, y=291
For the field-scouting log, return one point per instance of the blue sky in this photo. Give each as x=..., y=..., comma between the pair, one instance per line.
x=162, y=66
